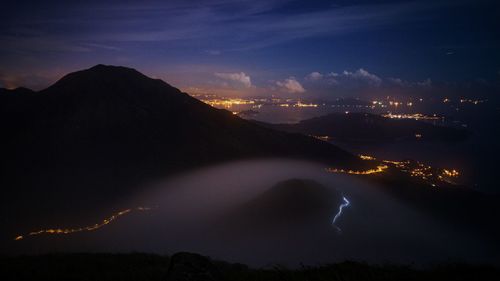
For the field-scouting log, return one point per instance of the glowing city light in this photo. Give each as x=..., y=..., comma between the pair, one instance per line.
x=378, y=169
x=415, y=116
x=227, y=103
x=59, y=231
x=452, y=173
x=323, y=138
x=300, y=104
x=427, y=173
x=366, y=157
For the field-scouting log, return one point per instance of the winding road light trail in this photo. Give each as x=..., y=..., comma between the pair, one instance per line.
x=59, y=231
x=345, y=204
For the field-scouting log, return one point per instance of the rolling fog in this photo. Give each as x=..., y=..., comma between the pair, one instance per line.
x=188, y=213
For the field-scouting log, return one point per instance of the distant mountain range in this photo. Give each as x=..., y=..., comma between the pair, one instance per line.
x=98, y=132
x=365, y=127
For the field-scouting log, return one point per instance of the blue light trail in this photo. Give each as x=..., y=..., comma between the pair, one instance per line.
x=346, y=203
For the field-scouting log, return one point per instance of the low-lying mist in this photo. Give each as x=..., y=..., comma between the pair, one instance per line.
x=199, y=212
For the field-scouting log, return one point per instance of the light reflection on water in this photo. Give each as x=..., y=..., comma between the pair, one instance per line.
x=277, y=114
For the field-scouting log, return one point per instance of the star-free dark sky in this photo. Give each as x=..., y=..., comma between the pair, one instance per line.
x=312, y=48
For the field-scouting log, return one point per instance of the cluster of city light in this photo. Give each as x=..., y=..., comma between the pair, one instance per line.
x=391, y=103
x=419, y=170
x=255, y=102
x=413, y=168
x=353, y=106
x=366, y=157
x=323, y=138
x=298, y=104
x=227, y=103
x=378, y=169
x=465, y=100
x=415, y=116
x=451, y=173
x=387, y=102
x=471, y=101
x=301, y=104
x=59, y=231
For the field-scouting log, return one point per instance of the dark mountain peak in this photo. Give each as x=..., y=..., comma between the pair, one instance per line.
x=296, y=192
x=288, y=202
x=19, y=91
x=14, y=100
x=23, y=90
x=102, y=79
x=110, y=129
x=109, y=66
x=103, y=69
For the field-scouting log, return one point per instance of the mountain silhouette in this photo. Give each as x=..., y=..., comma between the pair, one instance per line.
x=100, y=132
x=286, y=203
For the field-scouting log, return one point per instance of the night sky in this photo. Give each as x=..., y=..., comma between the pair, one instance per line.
x=261, y=47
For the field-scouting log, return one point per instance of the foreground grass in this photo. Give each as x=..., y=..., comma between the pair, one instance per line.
x=184, y=266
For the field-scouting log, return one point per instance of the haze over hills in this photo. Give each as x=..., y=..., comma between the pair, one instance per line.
x=315, y=140
x=286, y=203
x=103, y=130
x=90, y=143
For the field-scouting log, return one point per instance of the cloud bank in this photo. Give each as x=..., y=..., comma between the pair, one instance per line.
x=291, y=86
x=240, y=78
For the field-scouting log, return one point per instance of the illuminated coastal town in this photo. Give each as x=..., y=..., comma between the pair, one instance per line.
x=431, y=175
x=415, y=116
x=390, y=107
x=378, y=169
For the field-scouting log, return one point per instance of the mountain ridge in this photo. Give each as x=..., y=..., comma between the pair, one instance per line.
x=370, y=128
x=106, y=130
